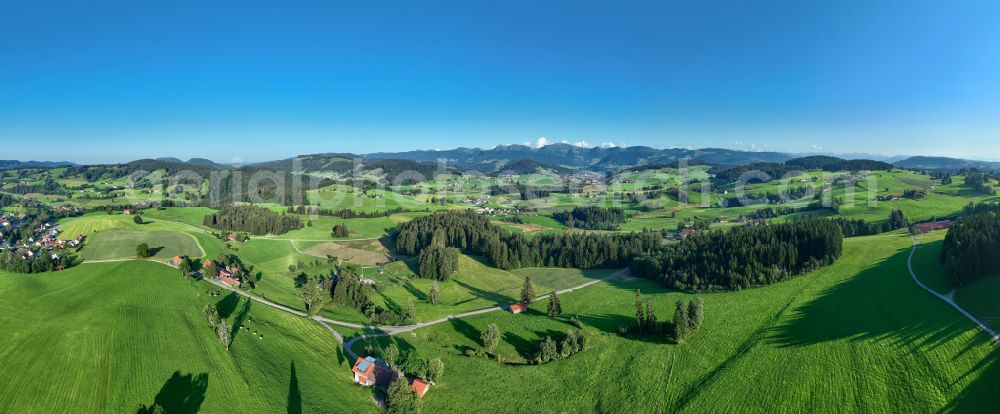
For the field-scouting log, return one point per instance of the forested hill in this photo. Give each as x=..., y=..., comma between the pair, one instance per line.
x=945, y=163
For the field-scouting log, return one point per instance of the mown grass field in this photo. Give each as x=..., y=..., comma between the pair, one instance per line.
x=121, y=244
x=110, y=337
x=856, y=336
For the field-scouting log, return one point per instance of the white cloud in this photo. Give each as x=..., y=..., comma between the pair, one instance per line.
x=817, y=147
x=540, y=142
x=608, y=145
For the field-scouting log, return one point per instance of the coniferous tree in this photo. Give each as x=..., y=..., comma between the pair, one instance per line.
x=433, y=296
x=640, y=313
x=401, y=399
x=695, y=314
x=680, y=322
x=650, y=318
x=527, y=292
x=555, y=308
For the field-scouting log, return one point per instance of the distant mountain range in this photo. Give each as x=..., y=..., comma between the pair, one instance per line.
x=937, y=163
x=28, y=164
x=566, y=155
x=561, y=156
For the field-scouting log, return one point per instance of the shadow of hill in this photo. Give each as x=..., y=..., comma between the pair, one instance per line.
x=880, y=303
x=180, y=394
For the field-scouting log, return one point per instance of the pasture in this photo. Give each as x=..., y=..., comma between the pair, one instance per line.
x=832, y=338
x=121, y=244
x=113, y=337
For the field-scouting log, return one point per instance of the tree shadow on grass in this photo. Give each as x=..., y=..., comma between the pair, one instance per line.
x=294, y=394
x=227, y=305
x=417, y=293
x=980, y=394
x=881, y=303
x=390, y=304
x=154, y=250
x=485, y=294
x=180, y=394
x=240, y=318
x=525, y=348
x=466, y=329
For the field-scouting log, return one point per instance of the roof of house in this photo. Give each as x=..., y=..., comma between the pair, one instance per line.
x=420, y=386
x=364, y=366
x=177, y=259
x=518, y=307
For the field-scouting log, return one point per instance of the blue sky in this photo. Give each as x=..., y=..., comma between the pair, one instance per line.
x=101, y=81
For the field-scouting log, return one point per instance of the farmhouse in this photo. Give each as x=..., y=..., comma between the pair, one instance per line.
x=364, y=371
x=518, y=307
x=420, y=386
x=177, y=260
x=934, y=225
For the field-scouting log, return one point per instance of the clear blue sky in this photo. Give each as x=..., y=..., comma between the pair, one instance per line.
x=97, y=81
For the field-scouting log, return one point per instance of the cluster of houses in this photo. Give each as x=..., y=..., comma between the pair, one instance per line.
x=371, y=371
x=230, y=275
x=43, y=241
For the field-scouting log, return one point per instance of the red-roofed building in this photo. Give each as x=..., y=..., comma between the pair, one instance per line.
x=178, y=260
x=364, y=371
x=206, y=263
x=934, y=225
x=420, y=386
x=229, y=280
x=518, y=307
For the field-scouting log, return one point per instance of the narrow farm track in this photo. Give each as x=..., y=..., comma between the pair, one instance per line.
x=386, y=329
x=949, y=298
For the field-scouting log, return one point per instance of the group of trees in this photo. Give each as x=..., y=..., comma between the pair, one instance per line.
x=687, y=318
x=218, y=325
x=340, y=231
x=550, y=350
x=475, y=234
x=346, y=213
x=592, y=218
x=252, y=219
x=970, y=248
x=743, y=257
x=979, y=182
x=437, y=262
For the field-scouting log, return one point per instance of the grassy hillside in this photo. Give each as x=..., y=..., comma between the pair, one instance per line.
x=120, y=244
x=858, y=335
x=111, y=337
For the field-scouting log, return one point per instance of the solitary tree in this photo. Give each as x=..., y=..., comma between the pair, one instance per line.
x=401, y=399
x=555, y=309
x=695, y=314
x=435, y=369
x=433, y=296
x=137, y=219
x=680, y=321
x=411, y=313
x=314, y=295
x=527, y=292
x=650, y=317
x=142, y=251
x=640, y=314
x=490, y=337
x=391, y=355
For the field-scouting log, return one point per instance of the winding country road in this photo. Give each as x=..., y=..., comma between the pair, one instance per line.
x=948, y=298
x=387, y=330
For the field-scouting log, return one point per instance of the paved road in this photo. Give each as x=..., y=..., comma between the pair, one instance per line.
x=948, y=298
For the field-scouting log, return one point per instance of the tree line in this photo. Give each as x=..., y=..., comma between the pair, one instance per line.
x=592, y=218
x=743, y=257
x=473, y=233
x=970, y=248
x=251, y=219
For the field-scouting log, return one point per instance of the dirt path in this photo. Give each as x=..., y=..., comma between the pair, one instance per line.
x=948, y=298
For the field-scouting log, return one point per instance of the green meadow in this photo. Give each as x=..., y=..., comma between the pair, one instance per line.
x=113, y=337
x=858, y=335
